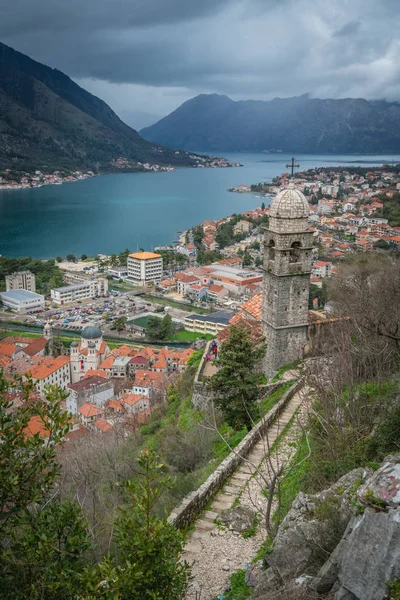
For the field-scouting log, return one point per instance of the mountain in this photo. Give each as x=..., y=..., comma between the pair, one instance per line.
x=47, y=120
x=300, y=124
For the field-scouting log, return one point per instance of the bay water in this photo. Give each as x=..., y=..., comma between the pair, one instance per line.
x=109, y=213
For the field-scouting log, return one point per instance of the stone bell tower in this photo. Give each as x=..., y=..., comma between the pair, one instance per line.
x=287, y=268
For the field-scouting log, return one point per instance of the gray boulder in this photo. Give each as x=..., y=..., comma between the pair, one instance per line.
x=370, y=556
x=383, y=487
x=238, y=519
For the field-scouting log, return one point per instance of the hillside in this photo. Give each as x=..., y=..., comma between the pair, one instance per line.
x=299, y=124
x=47, y=120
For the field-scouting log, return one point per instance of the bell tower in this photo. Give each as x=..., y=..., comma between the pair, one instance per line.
x=288, y=247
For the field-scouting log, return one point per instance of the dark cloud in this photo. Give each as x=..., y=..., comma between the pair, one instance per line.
x=348, y=29
x=146, y=55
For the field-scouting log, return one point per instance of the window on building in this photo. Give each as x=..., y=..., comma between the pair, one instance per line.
x=271, y=250
x=295, y=252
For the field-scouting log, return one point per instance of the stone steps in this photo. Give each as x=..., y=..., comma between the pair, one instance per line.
x=235, y=485
x=205, y=524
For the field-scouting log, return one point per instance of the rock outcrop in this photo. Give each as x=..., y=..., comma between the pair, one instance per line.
x=341, y=544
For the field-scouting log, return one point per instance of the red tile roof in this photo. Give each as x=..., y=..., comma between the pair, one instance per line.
x=36, y=426
x=35, y=347
x=102, y=424
x=48, y=366
x=253, y=307
x=7, y=349
x=90, y=410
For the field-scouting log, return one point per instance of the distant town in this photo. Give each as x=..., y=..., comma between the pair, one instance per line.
x=12, y=180
x=108, y=325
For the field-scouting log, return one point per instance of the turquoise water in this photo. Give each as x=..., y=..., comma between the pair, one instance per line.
x=112, y=212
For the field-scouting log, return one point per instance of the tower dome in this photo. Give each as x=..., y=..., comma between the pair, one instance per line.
x=91, y=332
x=289, y=203
x=74, y=344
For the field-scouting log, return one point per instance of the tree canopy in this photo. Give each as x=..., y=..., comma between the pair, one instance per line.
x=235, y=384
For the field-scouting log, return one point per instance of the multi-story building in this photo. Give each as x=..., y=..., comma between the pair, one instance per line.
x=95, y=390
x=22, y=301
x=81, y=291
x=144, y=268
x=21, y=280
x=211, y=324
x=50, y=371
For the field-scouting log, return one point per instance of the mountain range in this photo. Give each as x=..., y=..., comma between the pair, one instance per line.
x=212, y=122
x=48, y=121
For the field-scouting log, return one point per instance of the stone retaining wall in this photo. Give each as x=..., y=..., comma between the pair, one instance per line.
x=195, y=502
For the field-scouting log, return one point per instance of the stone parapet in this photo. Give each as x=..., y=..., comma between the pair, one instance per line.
x=194, y=503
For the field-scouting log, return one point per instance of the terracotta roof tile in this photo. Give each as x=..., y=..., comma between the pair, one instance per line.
x=90, y=410
x=108, y=362
x=102, y=424
x=253, y=307
x=7, y=349
x=35, y=347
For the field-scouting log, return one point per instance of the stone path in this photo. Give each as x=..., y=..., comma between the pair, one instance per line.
x=209, y=368
x=215, y=553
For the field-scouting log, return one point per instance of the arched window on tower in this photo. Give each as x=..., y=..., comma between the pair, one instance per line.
x=295, y=252
x=271, y=250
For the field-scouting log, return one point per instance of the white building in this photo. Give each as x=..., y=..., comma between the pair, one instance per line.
x=144, y=268
x=95, y=389
x=81, y=291
x=22, y=301
x=21, y=280
x=51, y=371
x=118, y=272
x=88, y=354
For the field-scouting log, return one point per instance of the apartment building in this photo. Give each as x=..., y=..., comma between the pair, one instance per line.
x=145, y=268
x=80, y=291
x=50, y=371
x=21, y=280
x=211, y=324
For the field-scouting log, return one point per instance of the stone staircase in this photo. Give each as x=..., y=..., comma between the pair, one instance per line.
x=205, y=526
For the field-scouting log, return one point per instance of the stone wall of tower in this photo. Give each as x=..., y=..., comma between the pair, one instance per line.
x=286, y=288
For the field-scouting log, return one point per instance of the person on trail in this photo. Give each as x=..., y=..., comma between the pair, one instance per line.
x=215, y=350
x=208, y=357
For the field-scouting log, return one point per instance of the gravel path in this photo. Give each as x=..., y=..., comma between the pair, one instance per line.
x=216, y=552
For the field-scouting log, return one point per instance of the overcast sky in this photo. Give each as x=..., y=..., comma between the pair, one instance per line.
x=146, y=57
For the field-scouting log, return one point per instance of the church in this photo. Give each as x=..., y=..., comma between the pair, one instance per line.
x=88, y=354
x=288, y=245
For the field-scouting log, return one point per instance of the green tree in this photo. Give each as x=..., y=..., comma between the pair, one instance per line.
x=71, y=257
x=113, y=260
x=120, y=323
x=45, y=557
x=247, y=259
x=166, y=327
x=123, y=257
x=159, y=329
x=147, y=564
x=58, y=259
x=84, y=257
x=235, y=384
x=42, y=539
x=262, y=205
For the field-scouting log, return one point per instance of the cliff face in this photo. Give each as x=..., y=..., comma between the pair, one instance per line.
x=341, y=544
x=300, y=124
x=48, y=120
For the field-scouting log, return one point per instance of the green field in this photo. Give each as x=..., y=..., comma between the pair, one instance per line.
x=180, y=336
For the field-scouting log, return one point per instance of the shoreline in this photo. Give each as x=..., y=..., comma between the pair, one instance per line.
x=89, y=175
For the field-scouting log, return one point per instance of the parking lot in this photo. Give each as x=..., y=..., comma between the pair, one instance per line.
x=102, y=312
